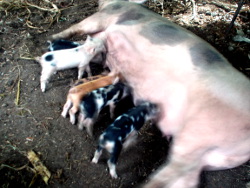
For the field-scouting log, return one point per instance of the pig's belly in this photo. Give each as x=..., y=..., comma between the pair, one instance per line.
x=170, y=97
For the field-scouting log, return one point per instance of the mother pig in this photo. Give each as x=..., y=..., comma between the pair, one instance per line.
x=204, y=101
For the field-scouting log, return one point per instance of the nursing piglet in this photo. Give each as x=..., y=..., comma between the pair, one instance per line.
x=86, y=80
x=61, y=44
x=122, y=132
x=70, y=58
x=77, y=93
x=96, y=100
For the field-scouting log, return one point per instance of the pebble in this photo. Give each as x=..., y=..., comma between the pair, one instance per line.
x=230, y=48
x=10, y=83
x=208, y=13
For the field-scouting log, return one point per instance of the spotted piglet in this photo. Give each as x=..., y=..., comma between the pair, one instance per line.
x=70, y=58
x=61, y=44
x=122, y=132
x=96, y=100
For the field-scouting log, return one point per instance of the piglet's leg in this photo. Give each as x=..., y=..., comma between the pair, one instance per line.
x=66, y=108
x=81, y=118
x=114, y=157
x=46, y=74
x=72, y=113
x=88, y=123
x=81, y=71
x=130, y=140
x=97, y=155
x=88, y=70
x=93, y=24
x=112, y=109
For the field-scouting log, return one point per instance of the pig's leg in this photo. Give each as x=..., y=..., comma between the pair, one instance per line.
x=113, y=159
x=183, y=168
x=90, y=25
x=46, y=74
x=176, y=174
x=97, y=155
x=66, y=108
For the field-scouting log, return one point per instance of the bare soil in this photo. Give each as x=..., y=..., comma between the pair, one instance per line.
x=31, y=120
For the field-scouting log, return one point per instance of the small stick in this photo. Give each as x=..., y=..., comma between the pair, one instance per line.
x=13, y=168
x=240, y=4
x=18, y=89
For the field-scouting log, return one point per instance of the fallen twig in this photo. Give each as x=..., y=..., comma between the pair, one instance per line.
x=55, y=9
x=18, y=89
x=227, y=6
x=240, y=4
x=27, y=58
x=13, y=168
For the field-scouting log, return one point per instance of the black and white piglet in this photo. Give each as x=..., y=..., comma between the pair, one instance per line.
x=61, y=44
x=79, y=57
x=123, y=131
x=96, y=100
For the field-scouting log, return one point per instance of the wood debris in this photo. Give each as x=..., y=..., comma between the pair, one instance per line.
x=38, y=166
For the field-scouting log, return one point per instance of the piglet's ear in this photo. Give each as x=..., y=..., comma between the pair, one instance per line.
x=90, y=49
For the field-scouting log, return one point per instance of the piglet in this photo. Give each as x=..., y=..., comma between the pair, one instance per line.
x=61, y=44
x=70, y=58
x=123, y=131
x=76, y=94
x=86, y=80
x=96, y=100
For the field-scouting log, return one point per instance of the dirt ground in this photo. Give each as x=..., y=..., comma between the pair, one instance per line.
x=31, y=120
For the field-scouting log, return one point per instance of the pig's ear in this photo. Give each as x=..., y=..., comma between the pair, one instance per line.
x=138, y=1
